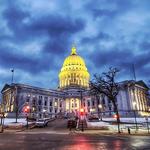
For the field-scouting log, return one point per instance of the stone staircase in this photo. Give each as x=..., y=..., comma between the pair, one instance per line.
x=82, y=124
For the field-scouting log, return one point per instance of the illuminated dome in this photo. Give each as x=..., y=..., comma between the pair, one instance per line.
x=74, y=71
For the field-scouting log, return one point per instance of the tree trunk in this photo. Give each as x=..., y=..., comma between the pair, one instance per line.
x=117, y=114
x=97, y=101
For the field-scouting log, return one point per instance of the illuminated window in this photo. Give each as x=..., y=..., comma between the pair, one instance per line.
x=55, y=104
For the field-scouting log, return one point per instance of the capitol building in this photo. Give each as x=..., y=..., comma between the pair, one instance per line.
x=73, y=93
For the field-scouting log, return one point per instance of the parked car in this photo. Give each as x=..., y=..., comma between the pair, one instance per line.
x=41, y=123
x=93, y=118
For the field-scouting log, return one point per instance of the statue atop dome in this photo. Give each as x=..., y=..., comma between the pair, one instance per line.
x=73, y=51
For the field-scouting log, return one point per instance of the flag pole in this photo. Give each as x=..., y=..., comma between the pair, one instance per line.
x=134, y=74
x=12, y=77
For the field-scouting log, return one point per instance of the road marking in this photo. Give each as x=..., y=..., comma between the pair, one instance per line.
x=41, y=132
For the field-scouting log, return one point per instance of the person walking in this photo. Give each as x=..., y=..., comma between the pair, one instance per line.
x=129, y=132
x=70, y=123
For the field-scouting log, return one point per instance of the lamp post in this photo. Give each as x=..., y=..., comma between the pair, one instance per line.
x=91, y=110
x=16, y=105
x=134, y=111
x=146, y=118
x=26, y=110
x=2, y=115
x=44, y=111
x=100, y=107
x=81, y=98
x=12, y=77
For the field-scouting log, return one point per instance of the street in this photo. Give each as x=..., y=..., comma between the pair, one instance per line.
x=57, y=137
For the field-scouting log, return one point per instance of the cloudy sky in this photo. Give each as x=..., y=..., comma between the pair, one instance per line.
x=37, y=35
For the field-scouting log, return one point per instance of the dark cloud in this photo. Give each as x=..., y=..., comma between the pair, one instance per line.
x=10, y=58
x=57, y=24
x=54, y=25
x=99, y=37
x=14, y=17
x=108, y=33
x=59, y=29
x=122, y=59
x=103, y=13
x=145, y=46
x=108, y=8
x=117, y=57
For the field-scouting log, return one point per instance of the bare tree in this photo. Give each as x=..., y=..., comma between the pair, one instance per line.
x=105, y=84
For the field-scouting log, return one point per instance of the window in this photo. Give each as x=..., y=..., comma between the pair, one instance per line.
x=46, y=98
x=88, y=103
x=40, y=102
x=93, y=103
x=27, y=100
x=50, y=103
x=40, y=97
x=103, y=101
x=60, y=104
x=34, y=102
x=55, y=104
x=55, y=110
x=75, y=104
x=45, y=103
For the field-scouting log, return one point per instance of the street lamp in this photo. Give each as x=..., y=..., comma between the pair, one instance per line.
x=44, y=111
x=134, y=111
x=2, y=115
x=91, y=110
x=100, y=107
x=146, y=118
x=26, y=110
x=82, y=115
x=81, y=97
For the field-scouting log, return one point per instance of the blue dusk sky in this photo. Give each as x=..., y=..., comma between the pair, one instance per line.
x=37, y=35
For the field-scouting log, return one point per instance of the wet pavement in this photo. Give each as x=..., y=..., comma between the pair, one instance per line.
x=57, y=137
x=44, y=141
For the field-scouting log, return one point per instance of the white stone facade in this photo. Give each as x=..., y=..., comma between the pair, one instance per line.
x=49, y=103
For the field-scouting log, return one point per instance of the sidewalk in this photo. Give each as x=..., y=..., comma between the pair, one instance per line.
x=110, y=132
x=12, y=130
x=15, y=129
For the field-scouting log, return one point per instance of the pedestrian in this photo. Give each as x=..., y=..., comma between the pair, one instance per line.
x=129, y=131
x=70, y=124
